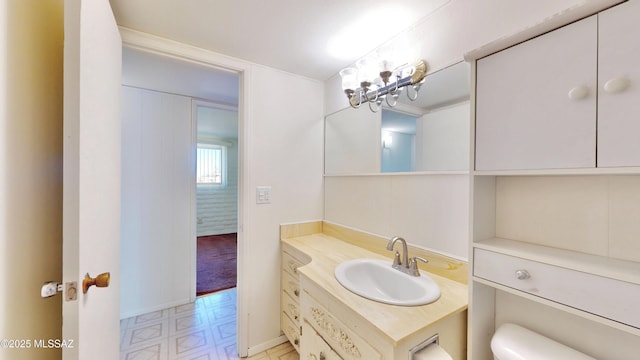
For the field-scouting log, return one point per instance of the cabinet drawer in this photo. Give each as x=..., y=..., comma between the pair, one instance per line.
x=290, y=264
x=342, y=339
x=290, y=307
x=291, y=285
x=613, y=299
x=291, y=330
x=314, y=348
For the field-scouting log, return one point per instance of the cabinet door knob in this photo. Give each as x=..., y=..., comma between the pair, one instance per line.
x=322, y=357
x=578, y=92
x=522, y=274
x=616, y=85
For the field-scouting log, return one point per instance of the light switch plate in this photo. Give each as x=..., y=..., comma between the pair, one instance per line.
x=263, y=195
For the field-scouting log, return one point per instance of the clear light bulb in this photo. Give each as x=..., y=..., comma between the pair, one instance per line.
x=349, y=78
x=385, y=62
x=367, y=72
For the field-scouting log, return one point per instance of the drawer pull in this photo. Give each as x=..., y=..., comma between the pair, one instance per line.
x=296, y=292
x=322, y=357
x=293, y=266
x=522, y=274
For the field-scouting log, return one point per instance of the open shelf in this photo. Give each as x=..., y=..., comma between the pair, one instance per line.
x=559, y=306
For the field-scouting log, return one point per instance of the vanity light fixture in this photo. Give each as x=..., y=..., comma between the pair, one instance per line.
x=374, y=81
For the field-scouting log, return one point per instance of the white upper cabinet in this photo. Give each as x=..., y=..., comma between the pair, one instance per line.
x=618, y=86
x=547, y=102
x=536, y=102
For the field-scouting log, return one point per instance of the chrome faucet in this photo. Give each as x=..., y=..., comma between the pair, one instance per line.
x=405, y=265
x=397, y=264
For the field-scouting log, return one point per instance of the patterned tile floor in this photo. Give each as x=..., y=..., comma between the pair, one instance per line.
x=203, y=330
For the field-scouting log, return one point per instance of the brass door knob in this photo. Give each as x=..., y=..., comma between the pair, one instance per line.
x=101, y=280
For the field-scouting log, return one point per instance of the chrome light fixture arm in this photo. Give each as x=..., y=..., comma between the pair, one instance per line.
x=365, y=94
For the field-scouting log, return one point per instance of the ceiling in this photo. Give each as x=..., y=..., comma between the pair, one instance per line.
x=313, y=38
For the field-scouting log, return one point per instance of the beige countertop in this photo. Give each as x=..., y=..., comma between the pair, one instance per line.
x=397, y=323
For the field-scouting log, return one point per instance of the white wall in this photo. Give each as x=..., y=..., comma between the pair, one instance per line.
x=442, y=138
x=31, y=39
x=157, y=182
x=592, y=214
x=285, y=152
x=429, y=211
x=352, y=138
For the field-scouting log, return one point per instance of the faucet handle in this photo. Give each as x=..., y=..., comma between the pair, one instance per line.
x=414, y=260
x=413, y=265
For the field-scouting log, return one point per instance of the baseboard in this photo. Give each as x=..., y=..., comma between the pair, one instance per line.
x=267, y=345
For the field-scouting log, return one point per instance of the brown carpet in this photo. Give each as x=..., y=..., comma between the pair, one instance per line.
x=216, y=263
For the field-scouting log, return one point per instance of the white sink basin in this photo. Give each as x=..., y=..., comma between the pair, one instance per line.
x=377, y=280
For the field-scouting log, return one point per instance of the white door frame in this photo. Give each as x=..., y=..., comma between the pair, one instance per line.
x=149, y=43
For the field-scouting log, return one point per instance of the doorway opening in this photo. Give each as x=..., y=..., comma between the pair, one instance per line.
x=216, y=196
x=159, y=231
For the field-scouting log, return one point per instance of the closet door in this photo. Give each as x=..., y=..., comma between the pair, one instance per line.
x=536, y=102
x=619, y=86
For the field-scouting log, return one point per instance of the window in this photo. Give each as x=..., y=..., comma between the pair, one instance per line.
x=210, y=164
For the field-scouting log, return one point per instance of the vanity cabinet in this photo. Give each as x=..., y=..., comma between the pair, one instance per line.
x=545, y=103
x=335, y=323
x=290, y=299
x=554, y=225
x=328, y=327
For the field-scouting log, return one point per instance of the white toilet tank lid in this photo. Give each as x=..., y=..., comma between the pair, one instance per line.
x=513, y=342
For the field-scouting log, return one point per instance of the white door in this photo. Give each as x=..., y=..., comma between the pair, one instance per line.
x=618, y=90
x=91, y=199
x=525, y=116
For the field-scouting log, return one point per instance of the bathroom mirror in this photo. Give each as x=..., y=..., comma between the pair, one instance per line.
x=429, y=134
